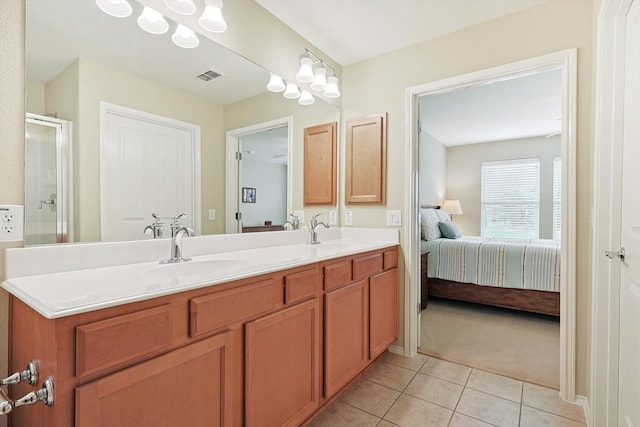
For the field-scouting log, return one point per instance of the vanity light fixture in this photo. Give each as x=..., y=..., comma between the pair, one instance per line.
x=117, y=8
x=185, y=37
x=332, y=90
x=305, y=72
x=292, y=91
x=320, y=78
x=212, y=19
x=306, y=98
x=275, y=83
x=183, y=7
x=152, y=21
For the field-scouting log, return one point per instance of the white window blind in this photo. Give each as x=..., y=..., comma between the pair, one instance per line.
x=510, y=198
x=557, y=198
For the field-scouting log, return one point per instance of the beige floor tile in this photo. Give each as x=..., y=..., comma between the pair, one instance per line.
x=410, y=411
x=549, y=400
x=395, y=377
x=446, y=371
x=385, y=423
x=497, y=385
x=435, y=390
x=414, y=363
x=532, y=417
x=459, y=420
x=488, y=408
x=341, y=414
x=373, y=398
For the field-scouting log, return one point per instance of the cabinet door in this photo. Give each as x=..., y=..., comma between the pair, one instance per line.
x=346, y=344
x=282, y=366
x=186, y=387
x=320, y=173
x=383, y=311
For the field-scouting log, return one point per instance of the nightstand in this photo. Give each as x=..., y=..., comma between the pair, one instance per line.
x=424, y=280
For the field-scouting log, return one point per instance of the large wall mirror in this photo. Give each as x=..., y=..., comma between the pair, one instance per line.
x=106, y=79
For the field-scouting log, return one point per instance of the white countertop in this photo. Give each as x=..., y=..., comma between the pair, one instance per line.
x=63, y=280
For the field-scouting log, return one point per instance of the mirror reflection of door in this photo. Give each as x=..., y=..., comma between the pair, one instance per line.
x=262, y=176
x=47, y=143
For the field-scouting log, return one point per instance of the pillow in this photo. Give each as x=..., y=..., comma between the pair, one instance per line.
x=449, y=230
x=442, y=215
x=429, y=226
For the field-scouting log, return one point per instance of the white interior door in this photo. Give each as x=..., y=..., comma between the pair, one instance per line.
x=629, y=350
x=148, y=165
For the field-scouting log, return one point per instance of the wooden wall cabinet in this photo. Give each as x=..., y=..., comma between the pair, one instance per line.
x=320, y=170
x=366, y=160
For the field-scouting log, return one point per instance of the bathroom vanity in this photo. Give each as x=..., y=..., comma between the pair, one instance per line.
x=265, y=334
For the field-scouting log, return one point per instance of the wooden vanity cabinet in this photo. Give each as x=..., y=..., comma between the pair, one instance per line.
x=267, y=350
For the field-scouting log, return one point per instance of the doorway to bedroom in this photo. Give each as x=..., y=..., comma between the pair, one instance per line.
x=496, y=148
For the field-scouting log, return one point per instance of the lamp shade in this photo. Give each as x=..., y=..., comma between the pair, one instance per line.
x=452, y=207
x=212, y=19
x=117, y=8
x=305, y=73
x=332, y=88
x=291, y=92
x=319, y=79
x=183, y=7
x=275, y=83
x=152, y=21
x=185, y=37
x=306, y=98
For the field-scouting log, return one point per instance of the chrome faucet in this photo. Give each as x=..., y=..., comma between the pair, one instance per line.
x=294, y=223
x=176, y=246
x=177, y=223
x=157, y=228
x=313, y=226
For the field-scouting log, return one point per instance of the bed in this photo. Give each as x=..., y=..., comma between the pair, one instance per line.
x=522, y=274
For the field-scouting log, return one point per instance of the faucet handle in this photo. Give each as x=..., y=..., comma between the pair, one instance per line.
x=178, y=218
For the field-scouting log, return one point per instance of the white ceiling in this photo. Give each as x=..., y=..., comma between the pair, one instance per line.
x=350, y=31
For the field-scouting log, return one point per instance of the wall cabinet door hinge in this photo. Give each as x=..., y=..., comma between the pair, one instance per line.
x=238, y=155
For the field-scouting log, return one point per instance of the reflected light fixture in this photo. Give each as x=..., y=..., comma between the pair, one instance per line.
x=306, y=98
x=332, y=90
x=305, y=72
x=212, y=19
x=452, y=207
x=185, y=37
x=275, y=83
x=183, y=7
x=292, y=91
x=320, y=78
x=152, y=21
x=117, y=8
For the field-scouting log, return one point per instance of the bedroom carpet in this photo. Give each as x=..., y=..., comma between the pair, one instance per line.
x=519, y=345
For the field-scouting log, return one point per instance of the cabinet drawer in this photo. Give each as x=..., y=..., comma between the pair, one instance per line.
x=366, y=266
x=337, y=274
x=302, y=285
x=390, y=259
x=214, y=311
x=121, y=339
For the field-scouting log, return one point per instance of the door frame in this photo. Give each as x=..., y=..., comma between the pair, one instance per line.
x=607, y=202
x=231, y=187
x=192, y=129
x=566, y=61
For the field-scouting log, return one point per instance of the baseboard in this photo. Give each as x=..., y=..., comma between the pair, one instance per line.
x=397, y=349
x=584, y=402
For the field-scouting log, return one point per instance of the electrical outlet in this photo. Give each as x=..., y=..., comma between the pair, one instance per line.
x=393, y=218
x=333, y=218
x=11, y=223
x=348, y=218
x=212, y=214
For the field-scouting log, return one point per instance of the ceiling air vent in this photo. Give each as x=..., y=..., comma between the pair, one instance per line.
x=209, y=75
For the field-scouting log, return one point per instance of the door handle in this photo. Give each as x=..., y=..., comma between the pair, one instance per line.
x=613, y=254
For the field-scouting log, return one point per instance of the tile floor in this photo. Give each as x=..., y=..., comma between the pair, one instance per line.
x=428, y=392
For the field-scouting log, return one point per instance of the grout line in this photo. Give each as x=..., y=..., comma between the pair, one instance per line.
x=553, y=413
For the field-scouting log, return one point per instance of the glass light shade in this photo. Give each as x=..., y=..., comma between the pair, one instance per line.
x=305, y=73
x=183, y=7
x=306, y=98
x=117, y=8
x=212, y=19
x=185, y=37
x=320, y=79
x=452, y=207
x=291, y=92
x=152, y=21
x=332, y=88
x=275, y=83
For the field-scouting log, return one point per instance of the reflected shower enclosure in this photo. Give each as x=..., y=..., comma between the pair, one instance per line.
x=47, y=210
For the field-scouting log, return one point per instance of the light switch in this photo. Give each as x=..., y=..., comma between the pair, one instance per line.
x=300, y=215
x=348, y=218
x=333, y=218
x=393, y=219
x=212, y=214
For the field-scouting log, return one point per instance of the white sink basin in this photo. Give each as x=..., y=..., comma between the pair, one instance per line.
x=192, y=268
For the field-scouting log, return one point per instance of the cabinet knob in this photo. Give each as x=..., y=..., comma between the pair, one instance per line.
x=30, y=375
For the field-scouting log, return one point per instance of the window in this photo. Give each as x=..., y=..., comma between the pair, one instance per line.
x=510, y=199
x=557, y=198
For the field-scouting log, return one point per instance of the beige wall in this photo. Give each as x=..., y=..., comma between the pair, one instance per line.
x=379, y=84
x=464, y=164
x=433, y=170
